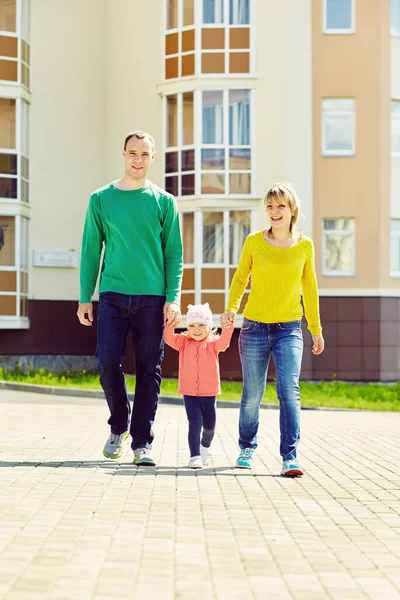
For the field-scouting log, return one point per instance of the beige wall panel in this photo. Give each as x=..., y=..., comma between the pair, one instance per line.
x=395, y=67
x=352, y=186
x=67, y=131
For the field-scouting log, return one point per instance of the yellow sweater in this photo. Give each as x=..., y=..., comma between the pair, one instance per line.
x=277, y=276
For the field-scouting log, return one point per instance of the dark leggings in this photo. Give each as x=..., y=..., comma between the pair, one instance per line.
x=201, y=413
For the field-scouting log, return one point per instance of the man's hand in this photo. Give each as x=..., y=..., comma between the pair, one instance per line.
x=172, y=314
x=86, y=308
x=226, y=319
x=318, y=344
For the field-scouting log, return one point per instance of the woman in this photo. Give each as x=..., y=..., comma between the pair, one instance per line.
x=280, y=261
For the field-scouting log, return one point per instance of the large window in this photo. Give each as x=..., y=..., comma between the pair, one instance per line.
x=221, y=161
x=395, y=128
x=212, y=244
x=338, y=16
x=15, y=41
x=395, y=17
x=395, y=247
x=338, y=126
x=338, y=247
x=14, y=150
x=222, y=45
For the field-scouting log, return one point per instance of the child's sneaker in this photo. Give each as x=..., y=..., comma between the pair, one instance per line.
x=205, y=454
x=245, y=459
x=291, y=468
x=195, y=462
x=115, y=445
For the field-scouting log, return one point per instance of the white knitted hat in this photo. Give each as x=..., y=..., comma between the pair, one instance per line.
x=199, y=313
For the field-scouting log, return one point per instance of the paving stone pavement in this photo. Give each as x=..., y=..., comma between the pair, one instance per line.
x=74, y=525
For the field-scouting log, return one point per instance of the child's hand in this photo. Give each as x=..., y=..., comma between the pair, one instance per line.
x=227, y=319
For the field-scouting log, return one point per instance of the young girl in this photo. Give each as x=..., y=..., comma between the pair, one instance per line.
x=199, y=376
x=281, y=263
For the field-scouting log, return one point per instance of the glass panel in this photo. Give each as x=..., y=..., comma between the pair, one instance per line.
x=188, y=119
x=395, y=254
x=339, y=130
x=188, y=160
x=24, y=167
x=172, y=14
x=240, y=159
x=338, y=14
x=213, y=159
x=187, y=65
x=8, y=70
x=239, y=117
x=7, y=123
x=8, y=305
x=24, y=283
x=395, y=127
x=7, y=241
x=340, y=224
x=395, y=15
x=213, y=118
x=8, y=46
x=213, y=63
x=25, y=75
x=395, y=225
x=213, y=183
x=8, y=187
x=239, y=183
x=24, y=191
x=26, y=20
x=239, y=229
x=8, y=164
x=239, y=12
x=239, y=38
x=171, y=185
x=8, y=281
x=213, y=279
x=188, y=185
x=239, y=62
x=8, y=13
x=24, y=243
x=25, y=129
x=24, y=306
x=171, y=68
x=171, y=44
x=213, y=39
x=339, y=253
x=171, y=162
x=172, y=121
x=213, y=237
x=188, y=12
x=188, y=41
x=338, y=104
x=213, y=11
x=188, y=238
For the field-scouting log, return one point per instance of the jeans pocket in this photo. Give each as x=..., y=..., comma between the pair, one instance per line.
x=248, y=326
x=289, y=325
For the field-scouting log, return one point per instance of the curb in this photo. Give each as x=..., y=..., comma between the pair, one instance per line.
x=81, y=393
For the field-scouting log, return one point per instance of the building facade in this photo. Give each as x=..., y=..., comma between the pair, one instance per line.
x=238, y=94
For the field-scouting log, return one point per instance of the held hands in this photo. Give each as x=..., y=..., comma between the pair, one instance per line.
x=86, y=308
x=318, y=344
x=226, y=319
x=172, y=314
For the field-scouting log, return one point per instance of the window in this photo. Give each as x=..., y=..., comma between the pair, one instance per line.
x=338, y=247
x=395, y=17
x=13, y=267
x=395, y=247
x=212, y=243
x=14, y=152
x=15, y=56
x=338, y=127
x=180, y=154
x=338, y=16
x=395, y=128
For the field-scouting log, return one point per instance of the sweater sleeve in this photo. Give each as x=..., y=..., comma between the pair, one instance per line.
x=222, y=343
x=240, y=279
x=175, y=340
x=92, y=242
x=310, y=294
x=172, y=248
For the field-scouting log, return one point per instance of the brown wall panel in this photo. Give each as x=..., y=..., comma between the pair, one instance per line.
x=216, y=302
x=171, y=68
x=8, y=281
x=188, y=279
x=188, y=40
x=187, y=65
x=213, y=279
x=8, y=306
x=213, y=39
x=239, y=62
x=213, y=63
x=185, y=300
x=239, y=38
x=8, y=70
x=171, y=43
x=8, y=46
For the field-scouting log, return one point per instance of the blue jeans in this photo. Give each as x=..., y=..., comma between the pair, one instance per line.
x=201, y=413
x=143, y=315
x=256, y=343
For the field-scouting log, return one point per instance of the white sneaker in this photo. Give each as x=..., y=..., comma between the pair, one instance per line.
x=205, y=455
x=195, y=462
x=142, y=456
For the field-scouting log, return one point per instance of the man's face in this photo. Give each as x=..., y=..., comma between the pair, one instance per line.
x=138, y=157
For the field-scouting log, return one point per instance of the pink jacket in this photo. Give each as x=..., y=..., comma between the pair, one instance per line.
x=198, y=362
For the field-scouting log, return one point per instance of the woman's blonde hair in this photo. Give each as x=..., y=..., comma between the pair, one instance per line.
x=286, y=192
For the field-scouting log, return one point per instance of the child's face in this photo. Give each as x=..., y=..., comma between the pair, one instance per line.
x=198, y=331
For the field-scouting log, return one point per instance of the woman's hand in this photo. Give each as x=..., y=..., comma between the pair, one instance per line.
x=318, y=344
x=226, y=319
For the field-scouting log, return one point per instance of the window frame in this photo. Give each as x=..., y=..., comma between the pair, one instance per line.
x=394, y=235
x=345, y=31
x=326, y=152
x=342, y=233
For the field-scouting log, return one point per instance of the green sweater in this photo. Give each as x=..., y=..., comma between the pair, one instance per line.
x=143, y=246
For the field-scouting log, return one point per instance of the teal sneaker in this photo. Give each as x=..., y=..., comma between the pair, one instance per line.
x=291, y=468
x=245, y=459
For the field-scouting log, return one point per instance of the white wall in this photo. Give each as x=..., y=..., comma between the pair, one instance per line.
x=395, y=162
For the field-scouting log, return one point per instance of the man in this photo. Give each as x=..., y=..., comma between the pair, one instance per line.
x=140, y=280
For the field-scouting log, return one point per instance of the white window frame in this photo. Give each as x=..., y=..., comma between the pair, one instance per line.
x=324, y=150
x=393, y=31
x=394, y=116
x=344, y=31
x=341, y=233
x=394, y=235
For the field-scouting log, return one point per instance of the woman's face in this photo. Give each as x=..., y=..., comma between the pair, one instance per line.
x=279, y=213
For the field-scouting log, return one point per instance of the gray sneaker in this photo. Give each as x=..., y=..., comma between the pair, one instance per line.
x=115, y=445
x=142, y=456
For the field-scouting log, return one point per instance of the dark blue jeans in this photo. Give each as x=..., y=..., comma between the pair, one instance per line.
x=143, y=315
x=201, y=413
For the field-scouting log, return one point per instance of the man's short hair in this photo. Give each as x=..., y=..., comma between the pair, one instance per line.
x=140, y=135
